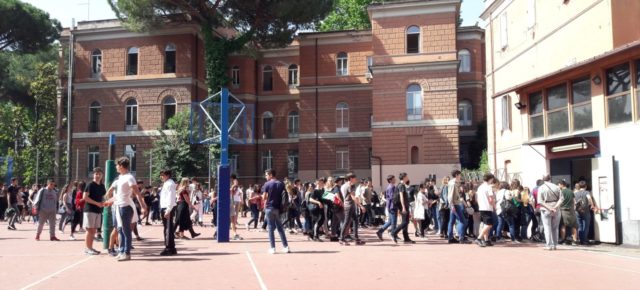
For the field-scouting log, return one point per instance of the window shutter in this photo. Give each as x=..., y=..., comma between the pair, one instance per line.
x=498, y=113
x=503, y=30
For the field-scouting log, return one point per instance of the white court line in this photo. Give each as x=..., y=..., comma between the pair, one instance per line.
x=549, y=255
x=255, y=270
x=56, y=273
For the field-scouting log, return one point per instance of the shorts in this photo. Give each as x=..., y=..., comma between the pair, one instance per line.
x=92, y=220
x=569, y=218
x=486, y=217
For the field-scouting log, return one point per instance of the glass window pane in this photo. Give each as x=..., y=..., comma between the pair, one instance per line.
x=537, y=127
x=638, y=73
x=581, y=91
x=557, y=97
x=558, y=122
x=582, y=118
x=535, y=103
x=413, y=43
x=618, y=79
x=619, y=109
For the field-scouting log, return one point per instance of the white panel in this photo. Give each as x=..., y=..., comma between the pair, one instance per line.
x=603, y=195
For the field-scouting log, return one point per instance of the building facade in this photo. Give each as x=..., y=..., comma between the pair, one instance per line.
x=562, y=98
x=406, y=95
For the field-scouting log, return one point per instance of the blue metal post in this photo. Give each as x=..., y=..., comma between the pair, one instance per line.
x=224, y=196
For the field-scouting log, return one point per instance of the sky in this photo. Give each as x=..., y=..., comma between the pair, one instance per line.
x=82, y=10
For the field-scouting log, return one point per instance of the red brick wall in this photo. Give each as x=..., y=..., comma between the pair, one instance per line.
x=327, y=55
x=280, y=74
x=150, y=56
x=439, y=144
x=247, y=74
x=438, y=32
x=280, y=111
x=476, y=49
x=359, y=103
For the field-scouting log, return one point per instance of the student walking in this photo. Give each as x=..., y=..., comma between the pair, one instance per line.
x=46, y=205
x=486, y=205
x=272, y=193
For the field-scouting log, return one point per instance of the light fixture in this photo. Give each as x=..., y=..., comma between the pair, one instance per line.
x=569, y=147
x=596, y=80
x=520, y=105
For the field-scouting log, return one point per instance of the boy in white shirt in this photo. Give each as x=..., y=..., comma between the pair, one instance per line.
x=125, y=187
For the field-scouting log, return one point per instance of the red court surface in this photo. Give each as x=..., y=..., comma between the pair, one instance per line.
x=205, y=264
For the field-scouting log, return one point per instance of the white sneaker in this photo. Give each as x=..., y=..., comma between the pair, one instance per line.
x=272, y=251
x=285, y=250
x=247, y=225
x=72, y=238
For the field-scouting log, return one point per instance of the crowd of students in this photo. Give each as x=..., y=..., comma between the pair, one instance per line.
x=332, y=208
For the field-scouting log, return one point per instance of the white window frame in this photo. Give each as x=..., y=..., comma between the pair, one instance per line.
x=342, y=117
x=131, y=113
x=293, y=124
x=464, y=55
x=265, y=70
x=342, y=157
x=233, y=162
x=130, y=51
x=268, y=158
x=406, y=38
x=130, y=152
x=235, y=77
x=414, y=112
x=267, y=115
x=504, y=38
x=168, y=101
x=96, y=63
x=93, y=158
x=505, y=112
x=465, y=108
x=342, y=64
x=294, y=77
x=293, y=160
x=531, y=14
x=170, y=48
x=95, y=106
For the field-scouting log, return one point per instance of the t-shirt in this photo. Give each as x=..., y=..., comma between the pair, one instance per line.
x=346, y=190
x=502, y=194
x=404, y=191
x=484, y=192
x=274, y=189
x=568, y=202
x=124, y=188
x=168, y=195
x=47, y=199
x=13, y=194
x=95, y=192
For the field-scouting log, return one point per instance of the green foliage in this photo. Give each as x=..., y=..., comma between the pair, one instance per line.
x=17, y=70
x=25, y=28
x=484, y=162
x=347, y=15
x=23, y=134
x=174, y=151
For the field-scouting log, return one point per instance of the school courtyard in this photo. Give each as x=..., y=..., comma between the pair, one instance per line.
x=202, y=263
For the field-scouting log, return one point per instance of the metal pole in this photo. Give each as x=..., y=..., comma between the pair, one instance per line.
x=69, y=97
x=35, y=141
x=224, y=198
x=209, y=166
x=77, y=154
x=150, y=167
x=110, y=175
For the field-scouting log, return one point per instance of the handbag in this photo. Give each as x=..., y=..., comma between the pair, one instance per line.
x=61, y=209
x=469, y=210
x=337, y=201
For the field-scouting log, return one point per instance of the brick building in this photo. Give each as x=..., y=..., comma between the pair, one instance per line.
x=406, y=95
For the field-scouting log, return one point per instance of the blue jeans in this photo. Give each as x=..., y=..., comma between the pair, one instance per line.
x=391, y=222
x=584, y=223
x=510, y=223
x=124, y=232
x=272, y=216
x=435, y=215
x=494, y=219
x=255, y=215
x=458, y=215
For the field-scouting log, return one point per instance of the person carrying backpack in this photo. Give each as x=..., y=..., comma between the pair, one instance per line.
x=401, y=202
x=272, y=193
x=444, y=210
x=506, y=210
x=584, y=204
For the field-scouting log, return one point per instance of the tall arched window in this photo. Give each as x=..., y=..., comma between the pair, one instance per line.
x=465, y=113
x=131, y=114
x=342, y=117
x=413, y=39
x=293, y=123
x=94, y=117
x=267, y=125
x=465, y=60
x=293, y=75
x=132, y=61
x=96, y=63
x=414, y=102
x=170, y=58
x=235, y=76
x=267, y=78
x=415, y=155
x=169, y=106
x=342, y=64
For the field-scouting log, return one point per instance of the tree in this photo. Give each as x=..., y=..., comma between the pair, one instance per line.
x=17, y=70
x=347, y=15
x=174, y=151
x=25, y=28
x=262, y=23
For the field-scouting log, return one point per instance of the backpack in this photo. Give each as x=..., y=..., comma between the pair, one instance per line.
x=508, y=207
x=582, y=203
x=444, y=197
x=397, y=203
x=284, y=203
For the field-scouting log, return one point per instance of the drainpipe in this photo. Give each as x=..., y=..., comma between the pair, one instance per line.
x=69, y=100
x=493, y=100
x=317, y=133
x=255, y=115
